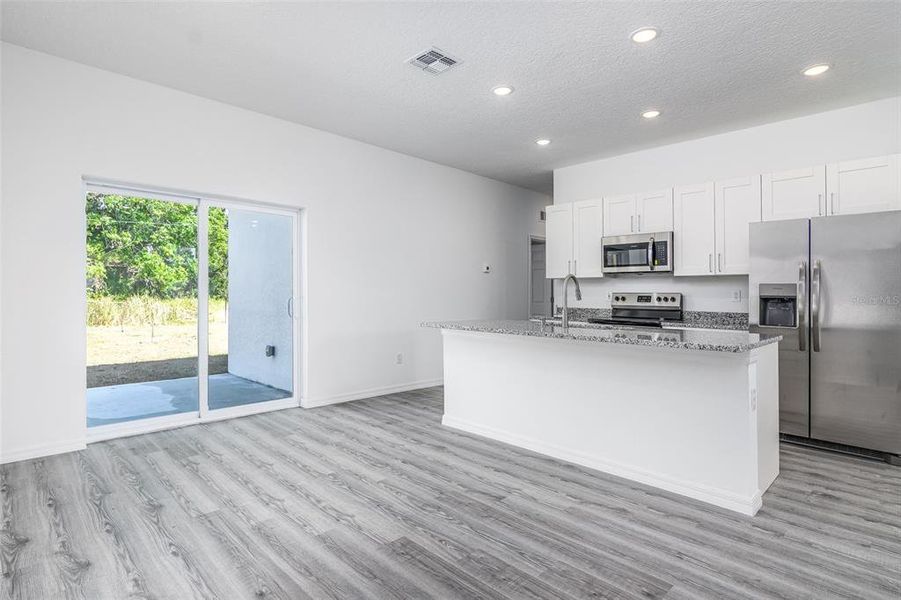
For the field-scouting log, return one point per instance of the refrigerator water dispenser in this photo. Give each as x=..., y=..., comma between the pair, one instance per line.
x=778, y=304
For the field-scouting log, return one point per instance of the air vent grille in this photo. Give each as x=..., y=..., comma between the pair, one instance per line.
x=433, y=61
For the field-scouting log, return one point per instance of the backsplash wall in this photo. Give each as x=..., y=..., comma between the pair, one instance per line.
x=700, y=293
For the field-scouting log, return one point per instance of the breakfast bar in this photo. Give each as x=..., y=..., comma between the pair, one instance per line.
x=691, y=411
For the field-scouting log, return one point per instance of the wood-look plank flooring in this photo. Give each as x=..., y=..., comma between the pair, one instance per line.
x=375, y=499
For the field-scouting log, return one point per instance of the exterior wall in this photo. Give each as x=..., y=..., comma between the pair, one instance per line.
x=871, y=129
x=260, y=281
x=391, y=240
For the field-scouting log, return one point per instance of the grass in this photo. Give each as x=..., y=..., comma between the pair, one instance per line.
x=108, y=345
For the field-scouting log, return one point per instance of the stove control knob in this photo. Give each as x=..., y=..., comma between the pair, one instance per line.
x=672, y=299
x=665, y=299
x=658, y=298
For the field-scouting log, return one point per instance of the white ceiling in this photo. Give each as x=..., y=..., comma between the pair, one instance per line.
x=579, y=80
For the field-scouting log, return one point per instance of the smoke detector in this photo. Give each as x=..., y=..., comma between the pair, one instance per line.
x=433, y=60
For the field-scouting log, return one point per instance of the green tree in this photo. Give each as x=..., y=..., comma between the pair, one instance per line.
x=142, y=246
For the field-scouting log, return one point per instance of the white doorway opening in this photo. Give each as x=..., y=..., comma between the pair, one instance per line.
x=541, y=289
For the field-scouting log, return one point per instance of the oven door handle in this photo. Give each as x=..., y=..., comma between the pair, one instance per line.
x=651, y=254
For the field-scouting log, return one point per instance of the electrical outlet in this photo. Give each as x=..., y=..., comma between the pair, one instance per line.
x=486, y=268
x=609, y=295
x=399, y=358
x=736, y=295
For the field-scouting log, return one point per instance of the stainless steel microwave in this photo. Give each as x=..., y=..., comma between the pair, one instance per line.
x=638, y=253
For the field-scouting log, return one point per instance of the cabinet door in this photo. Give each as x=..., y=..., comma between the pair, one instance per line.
x=587, y=247
x=796, y=194
x=693, y=230
x=619, y=215
x=559, y=240
x=736, y=206
x=654, y=211
x=862, y=186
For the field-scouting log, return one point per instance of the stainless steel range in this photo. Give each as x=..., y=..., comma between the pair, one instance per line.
x=643, y=309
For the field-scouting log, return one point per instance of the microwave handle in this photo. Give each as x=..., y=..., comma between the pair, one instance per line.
x=651, y=254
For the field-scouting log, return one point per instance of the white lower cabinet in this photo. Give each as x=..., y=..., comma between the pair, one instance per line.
x=559, y=240
x=694, y=236
x=863, y=186
x=573, y=232
x=588, y=226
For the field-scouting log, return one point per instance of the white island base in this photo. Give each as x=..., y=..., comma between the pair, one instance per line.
x=703, y=424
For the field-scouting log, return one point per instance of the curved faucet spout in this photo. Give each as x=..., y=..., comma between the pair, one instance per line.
x=566, y=281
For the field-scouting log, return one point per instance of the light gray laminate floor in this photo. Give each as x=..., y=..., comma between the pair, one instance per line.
x=375, y=499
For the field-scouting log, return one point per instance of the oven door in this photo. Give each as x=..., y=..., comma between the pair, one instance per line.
x=638, y=253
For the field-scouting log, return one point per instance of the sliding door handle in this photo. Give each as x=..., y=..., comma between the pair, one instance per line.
x=801, y=300
x=815, y=308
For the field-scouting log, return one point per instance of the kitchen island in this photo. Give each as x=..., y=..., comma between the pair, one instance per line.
x=690, y=411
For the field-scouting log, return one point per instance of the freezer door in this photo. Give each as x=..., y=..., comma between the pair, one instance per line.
x=856, y=330
x=779, y=259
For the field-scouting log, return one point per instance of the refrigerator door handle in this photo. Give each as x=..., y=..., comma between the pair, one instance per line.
x=815, y=298
x=802, y=301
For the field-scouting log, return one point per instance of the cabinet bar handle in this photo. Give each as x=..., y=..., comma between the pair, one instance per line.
x=710, y=262
x=632, y=223
x=719, y=262
x=832, y=202
x=820, y=204
x=639, y=222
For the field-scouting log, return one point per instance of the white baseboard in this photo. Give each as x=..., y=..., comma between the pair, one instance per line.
x=746, y=505
x=42, y=451
x=370, y=393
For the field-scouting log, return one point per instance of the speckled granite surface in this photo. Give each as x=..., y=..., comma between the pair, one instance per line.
x=693, y=319
x=683, y=339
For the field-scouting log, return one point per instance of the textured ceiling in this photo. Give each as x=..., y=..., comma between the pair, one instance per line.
x=579, y=80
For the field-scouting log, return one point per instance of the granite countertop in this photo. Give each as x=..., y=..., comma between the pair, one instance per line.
x=682, y=338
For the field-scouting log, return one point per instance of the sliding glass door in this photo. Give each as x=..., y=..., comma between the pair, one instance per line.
x=251, y=312
x=155, y=262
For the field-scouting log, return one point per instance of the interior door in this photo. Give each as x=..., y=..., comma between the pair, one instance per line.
x=856, y=330
x=779, y=257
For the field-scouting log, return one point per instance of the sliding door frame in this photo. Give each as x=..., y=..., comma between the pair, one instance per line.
x=298, y=273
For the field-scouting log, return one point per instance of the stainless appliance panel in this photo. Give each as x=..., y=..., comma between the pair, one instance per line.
x=779, y=257
x=638, y=253
x=856, y=324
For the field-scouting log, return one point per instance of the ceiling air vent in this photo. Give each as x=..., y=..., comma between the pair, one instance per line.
x=433, y=61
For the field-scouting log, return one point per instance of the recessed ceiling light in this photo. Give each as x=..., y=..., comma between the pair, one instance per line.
x=644, y=35
x=650, y=114
x=815, y=70
x=502, y=90
x=543, y=142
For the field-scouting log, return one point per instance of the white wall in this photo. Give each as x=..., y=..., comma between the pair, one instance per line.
x=870, y=129
x=392, y=240
x=260, y=281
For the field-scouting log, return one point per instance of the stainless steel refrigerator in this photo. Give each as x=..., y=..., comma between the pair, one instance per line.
x=831, y=286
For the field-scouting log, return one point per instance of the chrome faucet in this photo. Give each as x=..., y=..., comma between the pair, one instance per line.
x=566, y=298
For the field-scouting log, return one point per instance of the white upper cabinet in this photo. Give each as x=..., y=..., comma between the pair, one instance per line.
x=654, y=211
x=862, y=186
x=619, y=214
x=694, y=237
x=587, y=248
x=795, y=194
x=559, y=240
x=736, y=206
